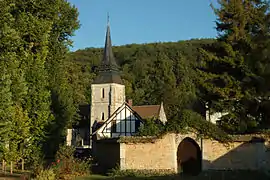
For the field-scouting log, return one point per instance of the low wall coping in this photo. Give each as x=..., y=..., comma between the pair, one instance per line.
x=251, y=138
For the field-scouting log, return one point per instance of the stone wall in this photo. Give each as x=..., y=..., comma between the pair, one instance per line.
x=236, y=155
x=161, y=154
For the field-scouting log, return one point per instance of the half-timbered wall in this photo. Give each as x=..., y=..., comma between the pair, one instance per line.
x=124, y=122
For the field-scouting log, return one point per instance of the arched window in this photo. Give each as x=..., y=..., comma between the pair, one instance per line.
x=103, y=93
x=102, y=116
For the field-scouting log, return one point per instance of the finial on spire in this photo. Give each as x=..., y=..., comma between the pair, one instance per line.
x=108, y=18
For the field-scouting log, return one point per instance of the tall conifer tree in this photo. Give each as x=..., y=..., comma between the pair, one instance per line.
x=227, y=76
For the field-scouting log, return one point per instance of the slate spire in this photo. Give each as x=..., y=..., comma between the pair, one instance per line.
x=108, y=69
x=108, y=62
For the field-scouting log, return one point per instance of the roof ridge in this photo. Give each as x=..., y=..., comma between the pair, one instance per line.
x=146, y=105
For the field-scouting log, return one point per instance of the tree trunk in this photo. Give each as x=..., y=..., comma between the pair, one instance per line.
x=3, y=165
x=11, y=167
x=22, y=164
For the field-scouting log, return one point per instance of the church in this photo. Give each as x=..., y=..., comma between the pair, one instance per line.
x=110, y=115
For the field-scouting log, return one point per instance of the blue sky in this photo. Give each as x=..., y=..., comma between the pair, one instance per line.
x=143, y=21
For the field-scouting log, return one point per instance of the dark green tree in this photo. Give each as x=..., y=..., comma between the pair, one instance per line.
x=64, y=18
x=227, y=77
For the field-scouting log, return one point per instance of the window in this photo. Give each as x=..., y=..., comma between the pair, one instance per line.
x=103, y=93
x=102, y=116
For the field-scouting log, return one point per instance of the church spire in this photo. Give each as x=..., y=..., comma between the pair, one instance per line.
x=108, y=62
x=108, y=70
x=108, y=19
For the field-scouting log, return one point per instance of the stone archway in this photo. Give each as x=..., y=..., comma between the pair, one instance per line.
x=189, y=157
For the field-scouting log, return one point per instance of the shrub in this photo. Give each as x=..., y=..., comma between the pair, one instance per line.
x=37, y=168
x=47, y=174
x=192, y=120
x=151, y=127
x=68, y=167
x=116, y=172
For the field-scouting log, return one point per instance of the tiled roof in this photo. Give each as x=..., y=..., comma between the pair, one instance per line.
x=147, y=111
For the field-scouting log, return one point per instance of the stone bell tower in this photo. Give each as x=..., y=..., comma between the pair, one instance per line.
x=108, y=91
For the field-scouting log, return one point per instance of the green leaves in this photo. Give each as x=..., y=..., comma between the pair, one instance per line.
x=151, y=127
x=227, y=75
x=34, y=36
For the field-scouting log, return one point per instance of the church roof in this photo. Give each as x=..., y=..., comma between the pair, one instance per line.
x=108, y=69
x=147, y=111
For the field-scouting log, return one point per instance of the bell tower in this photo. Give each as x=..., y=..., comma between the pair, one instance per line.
x=108, y=91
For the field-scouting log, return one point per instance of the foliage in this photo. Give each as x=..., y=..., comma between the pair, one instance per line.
x=191, y=121
x=13, y=89
x=230, y=77
x=17, y=143
x=139, y=173
x=66, y=166
x=64, y=18
x=151, y=127
x=205, y=175
x=35, y=95
x=116, y=172
x=151, y=72
x=138, y=139
x=47, y=174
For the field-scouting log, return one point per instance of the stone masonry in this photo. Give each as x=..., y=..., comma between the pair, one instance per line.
x=161, y=154
x=114, y=97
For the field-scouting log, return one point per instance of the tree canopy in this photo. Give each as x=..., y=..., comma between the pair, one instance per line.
x=34, y=40
x=232, y=77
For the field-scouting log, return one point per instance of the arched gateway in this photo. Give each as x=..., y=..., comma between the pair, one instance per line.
x=189, y=157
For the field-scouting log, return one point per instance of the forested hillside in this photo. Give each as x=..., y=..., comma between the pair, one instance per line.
x=229, y=74
x=152, y=72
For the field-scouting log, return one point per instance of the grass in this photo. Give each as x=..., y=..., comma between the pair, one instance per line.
x=207, y=175
x=93, y=177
